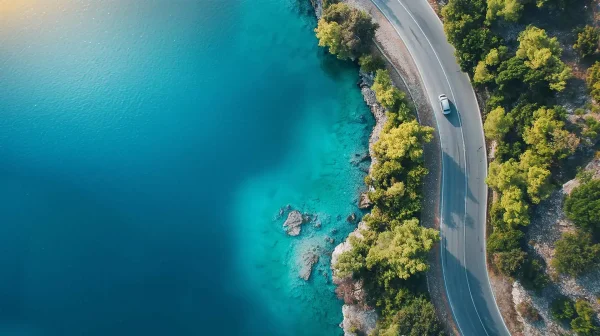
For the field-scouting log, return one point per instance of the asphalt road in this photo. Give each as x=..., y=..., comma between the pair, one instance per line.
x=463, y=190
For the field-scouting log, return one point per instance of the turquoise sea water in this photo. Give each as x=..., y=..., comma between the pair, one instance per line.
x=146, y=148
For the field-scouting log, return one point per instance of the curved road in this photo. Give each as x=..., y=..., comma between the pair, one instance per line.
x=464, y=167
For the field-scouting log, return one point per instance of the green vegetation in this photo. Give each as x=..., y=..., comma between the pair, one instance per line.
x=584, y=323
x=530, y=133
x=346, y=31
x=583, y=206
x=593, y=81
x=579, y=314
x=575, y=253
x=587, y=41
x=562, y=309
x=391, y=258
x=370, y=63
x=391, y=255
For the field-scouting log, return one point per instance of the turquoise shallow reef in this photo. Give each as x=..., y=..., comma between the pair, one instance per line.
x=146, y=148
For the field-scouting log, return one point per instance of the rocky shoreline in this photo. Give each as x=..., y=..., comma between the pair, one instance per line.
x=358, y=317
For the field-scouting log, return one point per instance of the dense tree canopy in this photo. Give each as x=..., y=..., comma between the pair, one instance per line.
x=404, y=142
x=402, y=251
x=416, y=318
x=346, y=31
x=587, y=41
x=562, y=309
x=464, y=26
x=548, y=137
x=593, y=81
x=386, y=93
x=542, y=55
x=575, y=253
x=584, y=323
x=583, y=205
x=497, y=124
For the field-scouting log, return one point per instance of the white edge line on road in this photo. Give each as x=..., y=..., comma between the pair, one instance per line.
x=465, y=161
x=464, y=154
x=486, y=194
x=442, y=163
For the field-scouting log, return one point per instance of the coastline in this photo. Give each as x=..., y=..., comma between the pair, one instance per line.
x=359, y=318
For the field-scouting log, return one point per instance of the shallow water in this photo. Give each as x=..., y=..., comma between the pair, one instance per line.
x=146, y=148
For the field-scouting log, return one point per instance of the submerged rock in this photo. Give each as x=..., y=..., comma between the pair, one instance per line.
x=308, y=260
x=293, y=223
x=351, y=218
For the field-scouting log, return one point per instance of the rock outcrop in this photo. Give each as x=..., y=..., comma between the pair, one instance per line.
x=358, y=321
x=308, y=260
x=358, y=317
x=364, y=202
x=365, y=83
x=318, y=6
x=293, y=223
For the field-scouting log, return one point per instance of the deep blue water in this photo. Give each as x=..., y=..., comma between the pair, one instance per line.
x=146, y=147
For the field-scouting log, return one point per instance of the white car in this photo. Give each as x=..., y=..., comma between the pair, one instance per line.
x=445, y=104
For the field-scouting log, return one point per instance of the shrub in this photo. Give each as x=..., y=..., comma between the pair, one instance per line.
x=584, y=323
x=528, y=311
x=562, y=309
x=504, y=240
x=402, y=252
x=509, y=263
x=532, y=275
x=583, y=205
x=587, y=41
x=370, y=63
x=575, y=253
x=593, y=81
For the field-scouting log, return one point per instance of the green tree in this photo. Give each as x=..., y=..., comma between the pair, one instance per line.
x=516, y=211
x=593, y=81
x=502, y=176
x=402, y=251
x=510, y=10
x=385, y=91
x=587, y=41
x=563, y=309
x=584, y=323
x=504, y=240
x=403, y=142
x=575, y=253
x=347, y=32
x=583, y=205
x=548, y=137
x=415, y=318
x=542, y=55
x=497, y=124
x=464, y=26
x=538, y=183
x=330, y=35
x=370, y=63
x=509, y=263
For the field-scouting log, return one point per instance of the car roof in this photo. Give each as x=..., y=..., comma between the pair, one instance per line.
x=445, y=104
